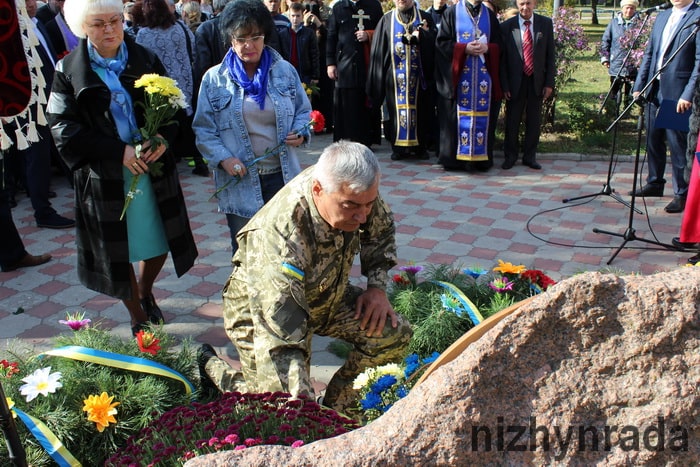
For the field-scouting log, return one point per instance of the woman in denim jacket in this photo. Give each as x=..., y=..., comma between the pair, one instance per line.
x=252, y=113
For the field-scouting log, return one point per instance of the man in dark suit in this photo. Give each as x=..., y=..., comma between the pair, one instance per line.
x=675, y=85
x=526, y=82
x=48, y=10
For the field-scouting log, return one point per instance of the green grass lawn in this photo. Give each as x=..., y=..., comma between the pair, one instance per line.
x=588, y=87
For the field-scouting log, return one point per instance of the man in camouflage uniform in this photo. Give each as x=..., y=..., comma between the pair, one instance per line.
x=290, y=280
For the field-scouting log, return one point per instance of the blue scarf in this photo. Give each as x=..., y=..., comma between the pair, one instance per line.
x=121, y=107
x=257, y=87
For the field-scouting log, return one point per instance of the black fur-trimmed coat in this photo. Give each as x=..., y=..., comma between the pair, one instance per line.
x=88, y=142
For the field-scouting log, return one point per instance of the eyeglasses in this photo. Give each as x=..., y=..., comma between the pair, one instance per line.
x=115, y=22
x=255, y=40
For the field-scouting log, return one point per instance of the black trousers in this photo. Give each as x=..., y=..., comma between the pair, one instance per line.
x=526, y=106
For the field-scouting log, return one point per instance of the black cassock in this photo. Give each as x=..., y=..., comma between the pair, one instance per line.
x=355, y=118
x=382, y=79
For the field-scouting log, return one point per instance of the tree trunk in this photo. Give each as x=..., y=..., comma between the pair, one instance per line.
x=594, y=12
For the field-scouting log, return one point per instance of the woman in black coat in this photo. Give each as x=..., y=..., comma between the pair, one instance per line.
x=93, y=120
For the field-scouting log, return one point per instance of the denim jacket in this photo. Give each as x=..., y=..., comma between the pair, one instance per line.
x=221, y=132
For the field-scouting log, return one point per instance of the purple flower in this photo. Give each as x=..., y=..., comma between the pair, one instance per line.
x=411, y=269
x=501, y=284
x=75, y=321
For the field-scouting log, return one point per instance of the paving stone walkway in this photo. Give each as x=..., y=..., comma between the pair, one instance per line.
x=457, y=218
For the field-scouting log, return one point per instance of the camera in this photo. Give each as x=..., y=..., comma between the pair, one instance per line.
x=313, y=8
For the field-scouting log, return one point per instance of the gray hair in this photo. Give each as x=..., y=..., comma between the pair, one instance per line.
x=76, y=11
x=218, y=5
x=347, y=163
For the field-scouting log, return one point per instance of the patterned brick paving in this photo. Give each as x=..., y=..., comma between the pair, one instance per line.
x=464, y=219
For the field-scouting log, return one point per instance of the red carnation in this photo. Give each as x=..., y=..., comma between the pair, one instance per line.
x=318, y=121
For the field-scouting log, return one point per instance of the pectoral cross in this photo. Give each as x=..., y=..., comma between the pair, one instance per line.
x=360, y=17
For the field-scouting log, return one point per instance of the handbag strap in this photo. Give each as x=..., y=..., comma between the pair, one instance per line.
x=187, y=38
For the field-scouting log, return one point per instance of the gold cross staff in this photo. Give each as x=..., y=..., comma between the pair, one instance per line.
x=360, y=17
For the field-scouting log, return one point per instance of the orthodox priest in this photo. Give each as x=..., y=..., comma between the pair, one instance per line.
x=468, y=55
x=401, y=70
x=350, y=29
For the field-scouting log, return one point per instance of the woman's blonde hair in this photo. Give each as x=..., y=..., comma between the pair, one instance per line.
x=191, y=12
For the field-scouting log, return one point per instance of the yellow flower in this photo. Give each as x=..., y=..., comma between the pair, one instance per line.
x=391, y=369
x=160, y=85
x=10, y=404
x=509, y=268
x=101, y=410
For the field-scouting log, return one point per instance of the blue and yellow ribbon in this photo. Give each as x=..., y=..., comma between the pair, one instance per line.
x=48, y=440
x=469, y=307
x=125, y=362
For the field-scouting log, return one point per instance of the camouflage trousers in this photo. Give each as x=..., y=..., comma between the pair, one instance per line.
x=265, y=368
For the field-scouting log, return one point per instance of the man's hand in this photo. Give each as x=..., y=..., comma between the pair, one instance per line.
x=547, y=92
x=476, y=48
x=332, y=72
x=683, y=105
x=374, y=307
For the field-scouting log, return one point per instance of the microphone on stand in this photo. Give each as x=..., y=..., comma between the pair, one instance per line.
x=654, y=9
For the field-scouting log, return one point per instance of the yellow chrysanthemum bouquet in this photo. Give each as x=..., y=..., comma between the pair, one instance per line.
x=163, y=99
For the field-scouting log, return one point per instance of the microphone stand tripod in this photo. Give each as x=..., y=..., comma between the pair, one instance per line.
x=618, y=83
x=630, y=234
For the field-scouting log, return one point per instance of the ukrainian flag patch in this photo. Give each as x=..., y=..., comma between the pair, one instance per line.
x=293, y=271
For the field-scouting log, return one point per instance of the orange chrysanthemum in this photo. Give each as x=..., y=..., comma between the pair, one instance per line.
x=101, y=410
x=509, y=268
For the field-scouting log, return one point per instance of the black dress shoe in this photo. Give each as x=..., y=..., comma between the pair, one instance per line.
x=149, y=305
x=533, y=165
x=684, y=245
x=27, y=261
x=55, y=221
x=694, y=259
x=138, y=327
x=507, y=165
x=201, y=169
x=454, y=167
x=395, y=156
x=677, y=205
x=649, y=190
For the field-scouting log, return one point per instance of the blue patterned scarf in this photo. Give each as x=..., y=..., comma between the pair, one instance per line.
x=257, y=87
x=121, y=107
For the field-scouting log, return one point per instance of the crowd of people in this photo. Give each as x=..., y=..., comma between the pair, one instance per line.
x=425, y=79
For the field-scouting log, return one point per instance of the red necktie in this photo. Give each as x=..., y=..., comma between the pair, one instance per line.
x=529, y=65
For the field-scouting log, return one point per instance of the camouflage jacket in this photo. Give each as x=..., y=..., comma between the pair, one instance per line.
x=293, y=269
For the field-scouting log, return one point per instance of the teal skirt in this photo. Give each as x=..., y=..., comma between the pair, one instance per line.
x=143, y=223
